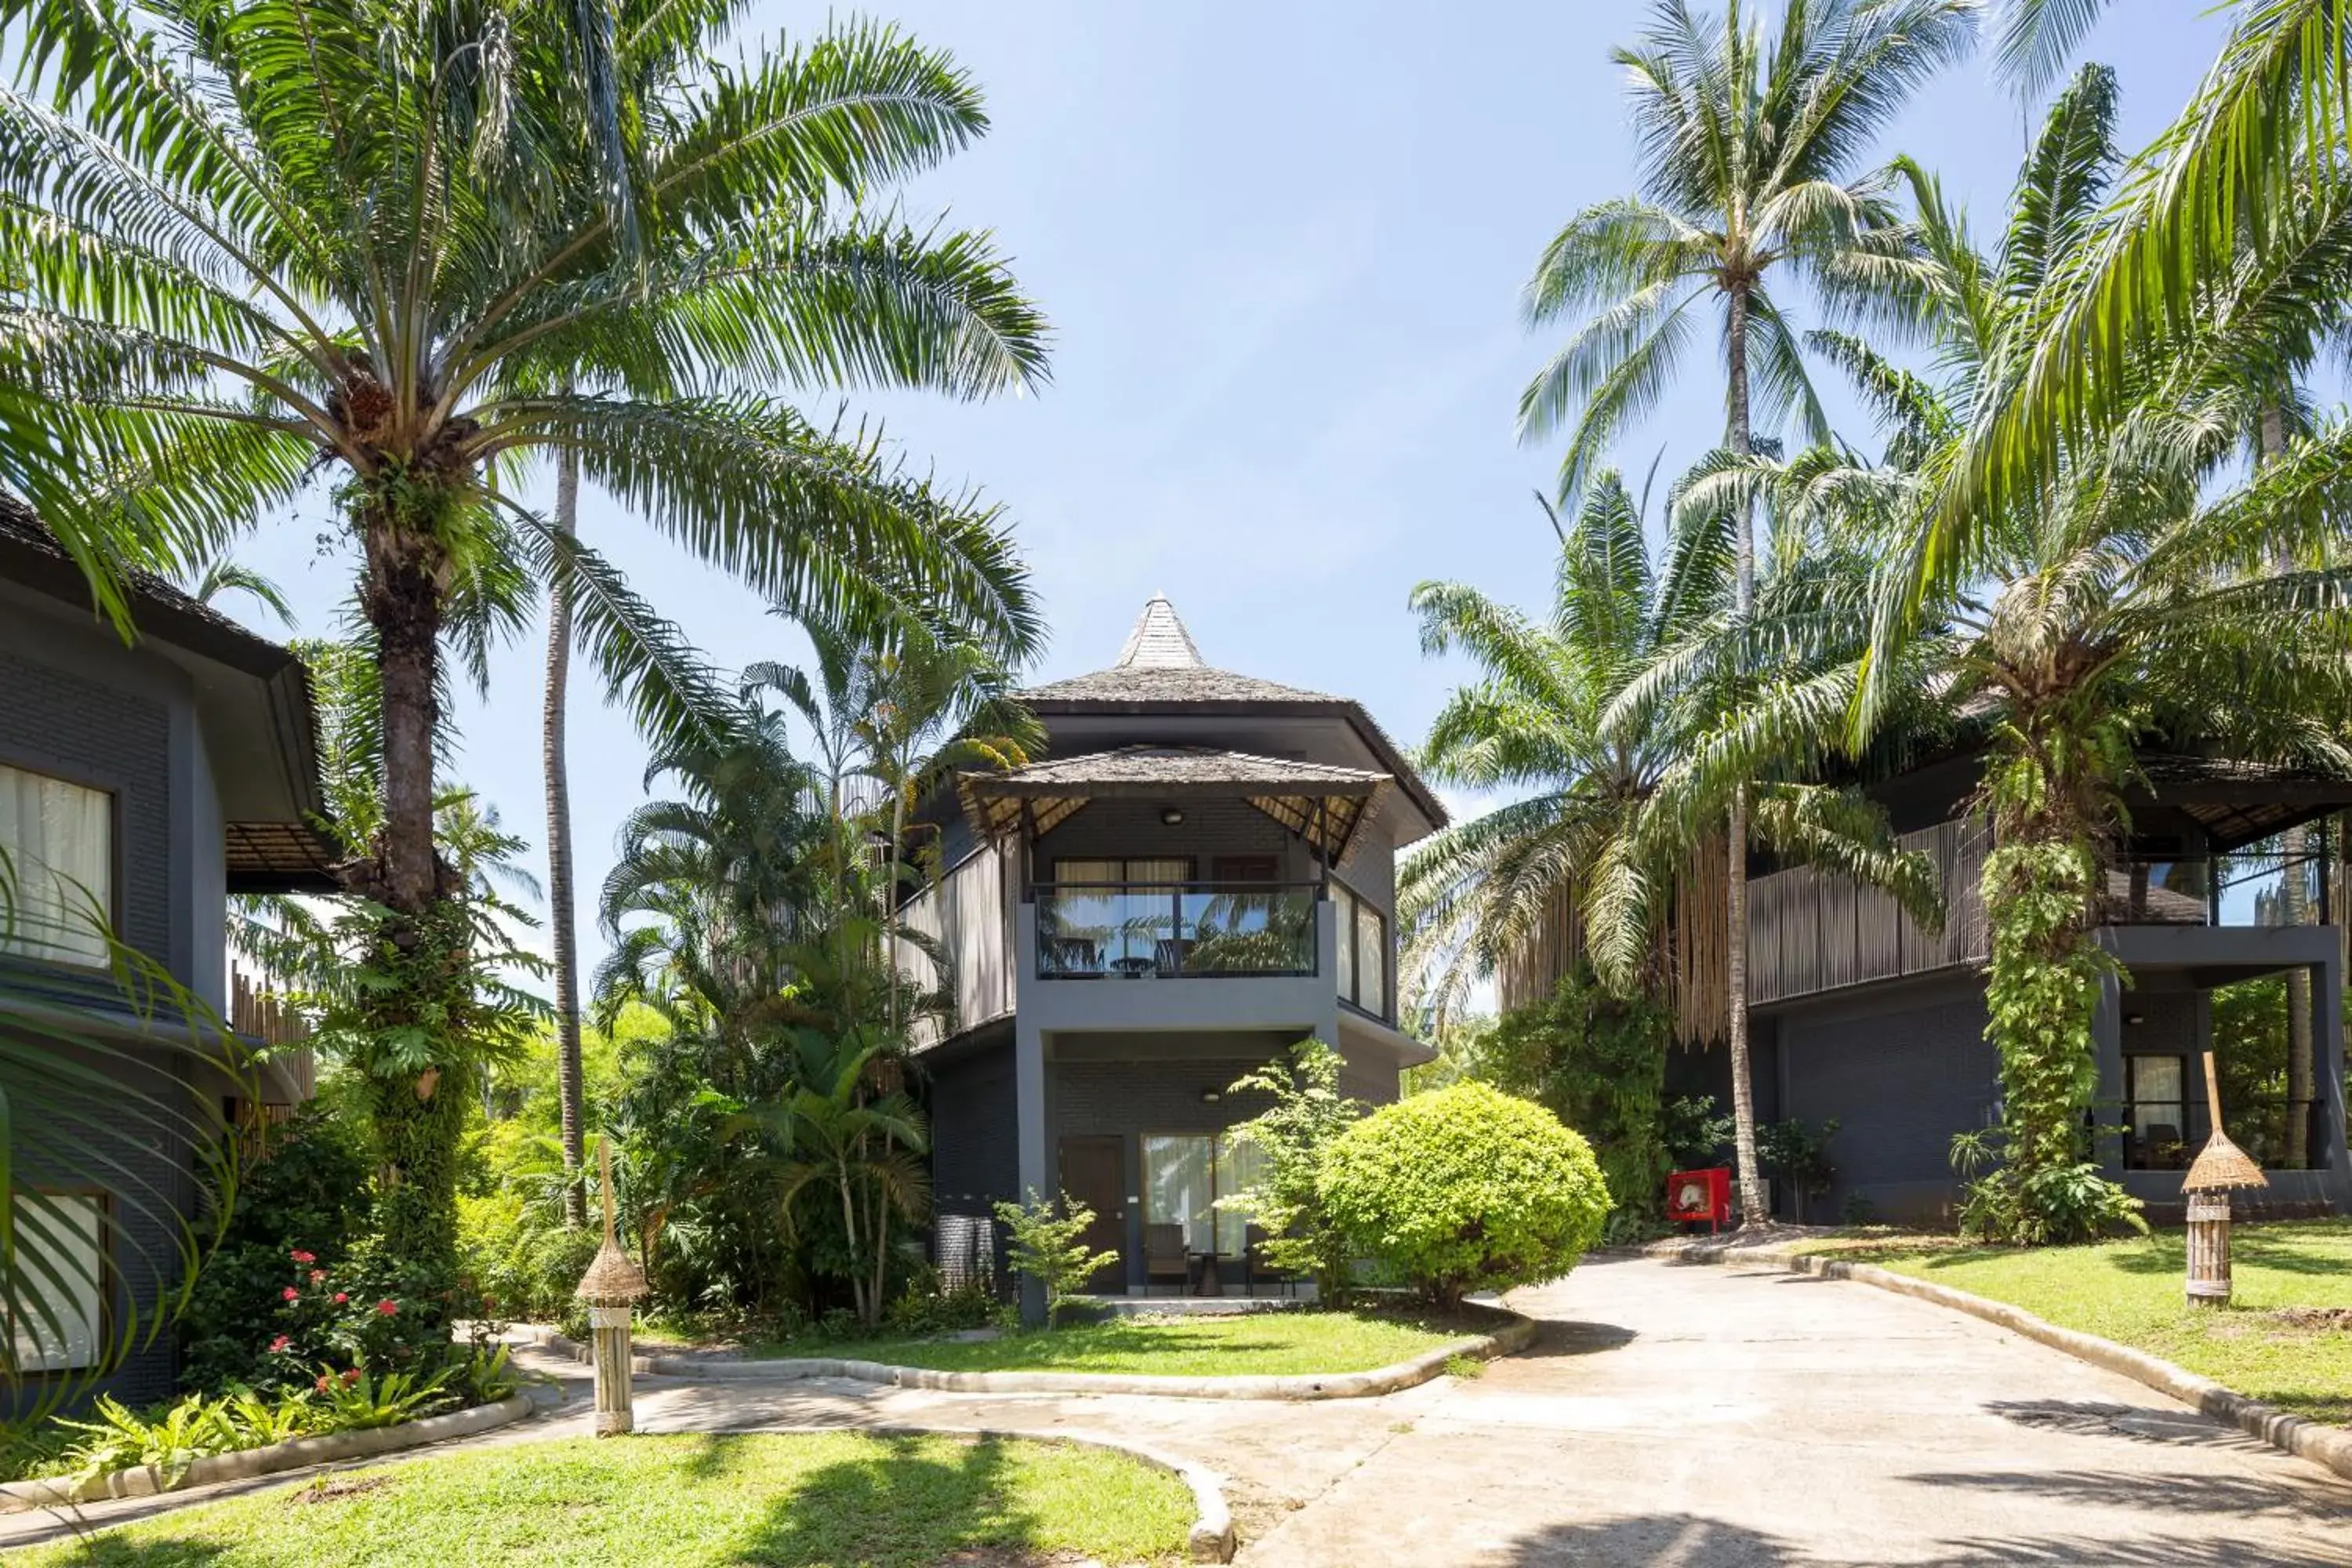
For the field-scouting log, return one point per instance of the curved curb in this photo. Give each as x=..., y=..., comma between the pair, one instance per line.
x=2327, y=1446
x=1210, y=1540
x=146, y=1481
x=1508, y=1338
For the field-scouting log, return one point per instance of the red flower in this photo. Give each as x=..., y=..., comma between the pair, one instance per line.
x=293, y=1294
x=352, y=1377
x=387, y=1306
x=341, y=1298
x=325, y=1383
x=302, y=1258
x=280, y=1343
x=317, y=1277
x=488, y=1302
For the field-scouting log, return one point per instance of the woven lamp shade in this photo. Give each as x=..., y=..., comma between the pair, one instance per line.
x=614, y=1279
x=2221, y=1165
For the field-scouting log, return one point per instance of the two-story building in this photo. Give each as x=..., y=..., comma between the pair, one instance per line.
x=141, y=784
x=1199, y=873
x=1863, y=1018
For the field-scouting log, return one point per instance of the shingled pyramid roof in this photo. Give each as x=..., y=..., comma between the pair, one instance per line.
x=1161, y=669
x=1160, y=640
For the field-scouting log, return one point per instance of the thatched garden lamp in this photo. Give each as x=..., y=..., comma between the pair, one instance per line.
x=613, y=1284
x=2219, y=1168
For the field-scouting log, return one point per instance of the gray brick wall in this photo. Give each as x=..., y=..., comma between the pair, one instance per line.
x=55, y=722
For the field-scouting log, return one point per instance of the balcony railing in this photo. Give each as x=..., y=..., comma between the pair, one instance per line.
x=2262, y=885
x=1104, y=931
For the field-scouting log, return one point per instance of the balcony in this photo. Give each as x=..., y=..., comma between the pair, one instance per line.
x=2260, y=885
x=1126, y=931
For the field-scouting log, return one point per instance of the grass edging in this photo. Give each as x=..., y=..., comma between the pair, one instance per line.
x=147, y=1481
x=2323, y=1445
x=1511, y=1334
x=1210, y=1540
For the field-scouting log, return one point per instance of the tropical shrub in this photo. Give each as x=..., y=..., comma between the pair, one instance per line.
x=1598, y=1063
x=1798, y=1157
x=1045, y=1244
x=1291, y=1135
x=524, y=1268
x=1464, y=1189
x=307, y=1191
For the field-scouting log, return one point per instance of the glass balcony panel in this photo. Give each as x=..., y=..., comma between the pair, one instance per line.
x=1139, y=931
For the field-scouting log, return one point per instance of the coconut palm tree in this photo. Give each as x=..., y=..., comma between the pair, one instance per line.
x=1752, y=155
x=250, y=251
x=1605, y=716
x=2140, y=593
x=2266, y=134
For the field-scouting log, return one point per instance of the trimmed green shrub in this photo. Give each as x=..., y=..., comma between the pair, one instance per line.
x=1464, y=1189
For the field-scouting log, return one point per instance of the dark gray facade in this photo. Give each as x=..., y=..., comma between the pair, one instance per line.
x=1065, y=1055
x=197, y=734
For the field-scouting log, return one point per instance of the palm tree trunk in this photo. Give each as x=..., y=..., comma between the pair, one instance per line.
x=416, y=1117
x=1752, y=1209
x=2300, y=1057
x=560, y=911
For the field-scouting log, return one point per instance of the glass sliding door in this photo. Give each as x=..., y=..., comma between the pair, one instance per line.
x=1183, y=1178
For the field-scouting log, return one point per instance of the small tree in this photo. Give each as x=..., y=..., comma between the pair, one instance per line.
x=1048, y=1250
x=1307, y=1114
x=1464, y=1189
x=1598, y=1063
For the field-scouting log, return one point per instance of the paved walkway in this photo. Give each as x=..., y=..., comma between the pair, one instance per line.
x=1709, y=1417
x=1688, y=1418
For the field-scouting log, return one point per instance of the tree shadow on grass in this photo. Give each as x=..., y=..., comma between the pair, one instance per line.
x=902, y=1507
x=112, y=1550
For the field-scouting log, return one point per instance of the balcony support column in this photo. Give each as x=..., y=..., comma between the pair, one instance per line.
x=1037, y=1180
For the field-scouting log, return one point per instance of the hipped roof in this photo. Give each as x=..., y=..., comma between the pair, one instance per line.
x=1326, y=805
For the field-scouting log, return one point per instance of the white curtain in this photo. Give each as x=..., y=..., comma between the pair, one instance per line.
x=1343, y=918
x=57, y=840
x=1371, y=959
x=62, y=1267
x=1179, y=1187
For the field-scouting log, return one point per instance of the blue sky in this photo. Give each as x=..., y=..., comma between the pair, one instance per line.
x=1281, y=247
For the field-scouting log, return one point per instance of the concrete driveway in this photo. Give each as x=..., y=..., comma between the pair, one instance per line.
x=1680, y=1416
x=1718, y=1417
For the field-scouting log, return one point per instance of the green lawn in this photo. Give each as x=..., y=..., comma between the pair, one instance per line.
x=2130, y=1291
x=1257, y=1342
x=835, y=1500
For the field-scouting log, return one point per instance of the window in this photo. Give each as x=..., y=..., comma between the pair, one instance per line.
x=1184, y=1176
x=1363, y=933
x=2157, y=1113
x=55, y=1320
x=59, y=838
x=1165, y=871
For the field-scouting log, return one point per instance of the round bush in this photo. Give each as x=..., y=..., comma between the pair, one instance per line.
x=1464, y=1189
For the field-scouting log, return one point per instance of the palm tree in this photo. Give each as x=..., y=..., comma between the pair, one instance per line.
x=2138, y=595
x=1611, y=713
x=227, y=576
x=286, y=243
x=1750, y=149
x=2266, y=135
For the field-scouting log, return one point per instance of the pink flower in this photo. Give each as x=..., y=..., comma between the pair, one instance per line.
x=325, y=1383
x=293, y=1294
x=302, y=1258
x=341, y=1298
x=280, y=1343
x=317, y=1277
x=387, y=1306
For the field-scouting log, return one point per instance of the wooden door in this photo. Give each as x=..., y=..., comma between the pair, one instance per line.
x=1094, y=1173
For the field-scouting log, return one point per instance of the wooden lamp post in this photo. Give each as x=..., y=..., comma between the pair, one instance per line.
x=2219, y=1167
x=613, y=1284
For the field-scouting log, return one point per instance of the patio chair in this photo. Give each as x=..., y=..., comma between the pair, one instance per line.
x=1254, y=1266
x=1164, y=1257
x=1169, y=954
